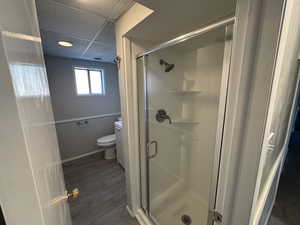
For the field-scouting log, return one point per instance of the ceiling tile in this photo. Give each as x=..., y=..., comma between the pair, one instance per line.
x=107, y=35
x=79, y=21
x=106, y=52
x=50, y=46
x=109, y=8
x=70, y=21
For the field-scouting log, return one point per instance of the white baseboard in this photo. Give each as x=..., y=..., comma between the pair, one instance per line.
x=82, y=155
x=142, y=218
x=130, y=211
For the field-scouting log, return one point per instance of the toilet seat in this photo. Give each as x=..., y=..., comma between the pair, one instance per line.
x=107, y=140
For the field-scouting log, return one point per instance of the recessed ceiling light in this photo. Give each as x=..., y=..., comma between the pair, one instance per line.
x=65, y=43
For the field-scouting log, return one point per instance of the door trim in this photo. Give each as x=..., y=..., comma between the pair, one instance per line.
x=259, y=203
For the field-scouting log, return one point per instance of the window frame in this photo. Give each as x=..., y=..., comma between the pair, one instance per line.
x=88, y=69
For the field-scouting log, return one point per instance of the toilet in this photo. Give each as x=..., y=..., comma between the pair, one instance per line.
x=108, y=143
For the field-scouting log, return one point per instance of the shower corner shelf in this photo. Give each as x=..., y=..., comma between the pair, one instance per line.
x=185, y=122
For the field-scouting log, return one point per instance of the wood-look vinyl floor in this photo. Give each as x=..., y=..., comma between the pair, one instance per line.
x=102, y=199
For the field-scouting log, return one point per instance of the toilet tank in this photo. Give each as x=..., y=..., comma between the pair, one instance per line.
x=119, y=145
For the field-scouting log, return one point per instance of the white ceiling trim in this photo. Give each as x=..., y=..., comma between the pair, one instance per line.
x=119, y=4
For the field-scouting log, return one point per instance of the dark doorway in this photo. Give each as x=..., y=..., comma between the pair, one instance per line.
x=2, y=221
x=286, y=209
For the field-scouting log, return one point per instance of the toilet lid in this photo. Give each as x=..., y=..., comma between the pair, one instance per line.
x=119, y=124
x=107, y=139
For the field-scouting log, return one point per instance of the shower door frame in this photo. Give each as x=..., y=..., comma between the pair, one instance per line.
x=228, y=23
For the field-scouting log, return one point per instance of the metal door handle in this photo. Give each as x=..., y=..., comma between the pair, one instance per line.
x=155, y=149
x=74, y=194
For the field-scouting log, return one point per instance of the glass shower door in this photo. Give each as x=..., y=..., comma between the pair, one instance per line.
x=181, y=124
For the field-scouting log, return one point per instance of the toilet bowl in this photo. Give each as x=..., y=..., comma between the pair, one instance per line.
x=108, y=143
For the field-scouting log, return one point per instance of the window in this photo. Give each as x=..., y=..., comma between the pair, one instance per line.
x=89, y=81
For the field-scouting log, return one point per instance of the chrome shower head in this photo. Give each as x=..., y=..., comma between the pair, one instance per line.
x=168, y=66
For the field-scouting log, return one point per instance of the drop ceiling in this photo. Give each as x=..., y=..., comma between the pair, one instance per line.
x=88, y=24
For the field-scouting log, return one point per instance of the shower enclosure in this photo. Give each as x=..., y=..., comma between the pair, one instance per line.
x=182, y=88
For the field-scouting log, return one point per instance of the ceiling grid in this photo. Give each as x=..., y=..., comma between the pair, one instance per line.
x=88, y=24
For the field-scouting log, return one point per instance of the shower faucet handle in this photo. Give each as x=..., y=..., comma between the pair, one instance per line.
x=162, y=115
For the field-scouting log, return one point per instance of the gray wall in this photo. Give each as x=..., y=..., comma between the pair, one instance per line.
x=75, y=140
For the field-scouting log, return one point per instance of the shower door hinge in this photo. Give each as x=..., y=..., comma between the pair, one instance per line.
x=216, y=216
